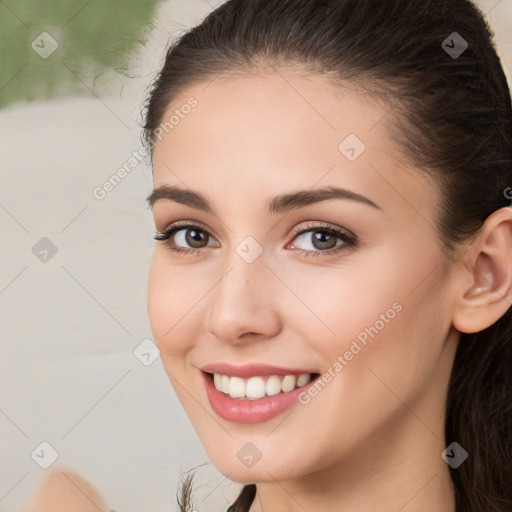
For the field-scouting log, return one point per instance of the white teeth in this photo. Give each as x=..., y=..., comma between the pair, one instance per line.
x=288, y=383
x=236, y=387
x=303, y=379
x=255, y=388
x=273, y=386
x=258, y=387
x=224, y=384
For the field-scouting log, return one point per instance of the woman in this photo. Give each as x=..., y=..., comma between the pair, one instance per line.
x=331, y=286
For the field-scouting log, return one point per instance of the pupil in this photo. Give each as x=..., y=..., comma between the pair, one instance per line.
x=322, y=240
x=194, y=236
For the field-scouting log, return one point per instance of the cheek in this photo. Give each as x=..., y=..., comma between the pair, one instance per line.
x=394, y=352
x=385, y=314
x=171, y=296
x=336, y=304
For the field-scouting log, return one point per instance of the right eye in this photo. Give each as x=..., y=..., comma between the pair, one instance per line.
x=186, y=238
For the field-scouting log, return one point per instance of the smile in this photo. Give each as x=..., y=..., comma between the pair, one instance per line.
x=258, y=387
x=253, y=393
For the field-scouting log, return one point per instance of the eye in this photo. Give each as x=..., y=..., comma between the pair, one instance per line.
x=322, y=239
x=188, y=238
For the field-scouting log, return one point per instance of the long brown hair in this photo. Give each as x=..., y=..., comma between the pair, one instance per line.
x=451, y=115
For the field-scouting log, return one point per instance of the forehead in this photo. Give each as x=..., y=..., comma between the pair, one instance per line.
x=269, y=132
x=253, y=108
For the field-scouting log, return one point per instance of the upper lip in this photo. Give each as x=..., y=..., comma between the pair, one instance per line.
x=251, y=370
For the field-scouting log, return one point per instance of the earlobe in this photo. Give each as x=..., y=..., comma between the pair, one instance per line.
x=490, y=275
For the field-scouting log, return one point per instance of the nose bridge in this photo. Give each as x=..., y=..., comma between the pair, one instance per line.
x=241, y=286
x=245, y=265
x=241, y=301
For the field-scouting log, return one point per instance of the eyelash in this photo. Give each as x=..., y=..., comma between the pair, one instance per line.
x=350, y=241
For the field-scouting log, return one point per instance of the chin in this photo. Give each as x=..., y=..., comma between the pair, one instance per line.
x=263, y=470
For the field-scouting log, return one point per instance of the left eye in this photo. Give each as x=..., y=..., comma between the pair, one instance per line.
x=322, y=240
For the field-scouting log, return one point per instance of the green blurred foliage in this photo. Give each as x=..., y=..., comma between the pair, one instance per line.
x=93, y=36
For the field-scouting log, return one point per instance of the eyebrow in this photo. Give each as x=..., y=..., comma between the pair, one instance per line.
x=278, y=204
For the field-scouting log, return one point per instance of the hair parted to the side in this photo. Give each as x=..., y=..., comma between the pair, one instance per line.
x=451, y=117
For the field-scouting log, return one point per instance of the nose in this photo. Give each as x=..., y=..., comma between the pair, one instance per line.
x=242, y=305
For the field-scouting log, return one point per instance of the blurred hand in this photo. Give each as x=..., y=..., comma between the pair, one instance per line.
x=65, y=491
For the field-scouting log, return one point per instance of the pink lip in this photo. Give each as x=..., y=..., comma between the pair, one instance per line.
x=251, y=411
x=251, y=370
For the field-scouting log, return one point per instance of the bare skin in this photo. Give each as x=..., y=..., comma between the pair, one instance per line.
x=63, y=490
x=372, y=438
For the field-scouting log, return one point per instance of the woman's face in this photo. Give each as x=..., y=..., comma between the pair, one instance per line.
x=263, y=278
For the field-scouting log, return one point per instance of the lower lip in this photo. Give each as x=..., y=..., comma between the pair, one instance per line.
x=250, y=411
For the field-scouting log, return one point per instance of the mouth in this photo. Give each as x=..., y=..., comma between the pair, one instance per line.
x=256, y=393
x=257, y=387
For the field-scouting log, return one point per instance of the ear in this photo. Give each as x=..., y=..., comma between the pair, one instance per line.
x=488, y=270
